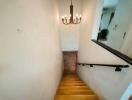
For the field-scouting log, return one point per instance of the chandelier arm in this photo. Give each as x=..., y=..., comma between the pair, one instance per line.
x=79, y=21
x=65, y=21
x=76, y=23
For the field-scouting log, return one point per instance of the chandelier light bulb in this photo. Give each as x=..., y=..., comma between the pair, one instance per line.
x=62, y=17
x=76, y=15
x=65, y=16
x=80, y=16
x=71, y=19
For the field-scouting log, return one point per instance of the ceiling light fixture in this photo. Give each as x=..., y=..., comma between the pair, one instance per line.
x=67, y=20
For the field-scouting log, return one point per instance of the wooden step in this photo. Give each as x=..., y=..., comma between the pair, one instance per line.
x=66, y=82
x=71, y=78
x=75, y=92
x=74, y=87
x=74, y=84
x=76, y=97
x=72, y=81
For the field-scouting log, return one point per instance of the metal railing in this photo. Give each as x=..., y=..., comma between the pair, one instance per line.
x=117, y=67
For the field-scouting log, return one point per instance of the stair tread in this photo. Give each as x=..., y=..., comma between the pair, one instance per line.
x=76, y=97
x=75, y=92
x=74, y=87
x=72, y=81
x=72, y=84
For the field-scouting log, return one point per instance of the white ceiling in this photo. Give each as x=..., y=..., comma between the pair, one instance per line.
x=110, y=3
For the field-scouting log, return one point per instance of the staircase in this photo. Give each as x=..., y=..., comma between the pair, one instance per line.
x=72, y=88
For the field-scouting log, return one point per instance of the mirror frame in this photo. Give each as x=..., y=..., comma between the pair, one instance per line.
x=115, y=52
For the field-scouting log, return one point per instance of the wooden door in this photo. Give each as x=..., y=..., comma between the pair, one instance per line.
x=70, y=60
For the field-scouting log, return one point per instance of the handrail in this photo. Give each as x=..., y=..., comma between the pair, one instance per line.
x=118, y=67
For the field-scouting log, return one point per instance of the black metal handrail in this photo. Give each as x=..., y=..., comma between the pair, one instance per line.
x=118, y=67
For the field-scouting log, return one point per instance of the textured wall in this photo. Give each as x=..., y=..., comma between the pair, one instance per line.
x=30, y=56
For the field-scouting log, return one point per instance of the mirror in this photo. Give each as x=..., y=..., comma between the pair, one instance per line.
x=115, y=28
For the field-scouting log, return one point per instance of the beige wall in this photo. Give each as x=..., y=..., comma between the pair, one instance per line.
x=126, y=48
x=107, y=83
x=30, y=56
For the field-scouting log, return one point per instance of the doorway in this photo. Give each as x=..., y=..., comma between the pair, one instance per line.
x=70, y=61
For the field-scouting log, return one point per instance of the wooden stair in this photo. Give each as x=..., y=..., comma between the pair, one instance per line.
x=72, y=88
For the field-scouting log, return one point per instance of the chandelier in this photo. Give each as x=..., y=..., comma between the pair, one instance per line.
x=70, y=19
